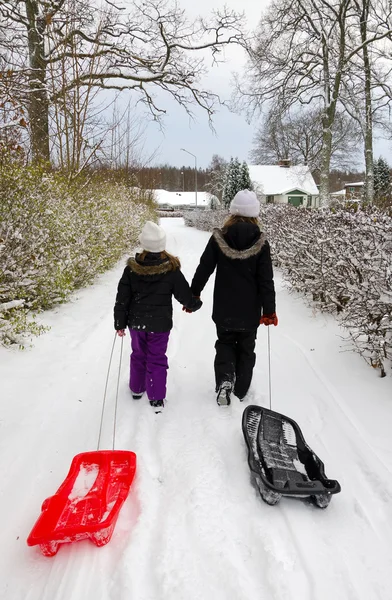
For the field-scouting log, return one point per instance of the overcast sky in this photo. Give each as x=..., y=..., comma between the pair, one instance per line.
x=233, y=135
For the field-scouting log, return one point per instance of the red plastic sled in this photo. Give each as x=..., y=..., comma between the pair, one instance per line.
x=87, y=503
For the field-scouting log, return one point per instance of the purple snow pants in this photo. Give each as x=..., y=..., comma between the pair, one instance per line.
x=149, y=364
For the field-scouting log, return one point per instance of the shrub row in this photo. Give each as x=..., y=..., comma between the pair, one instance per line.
x=56, y=236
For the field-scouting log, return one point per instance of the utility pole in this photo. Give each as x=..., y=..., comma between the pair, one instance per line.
x=187, y=151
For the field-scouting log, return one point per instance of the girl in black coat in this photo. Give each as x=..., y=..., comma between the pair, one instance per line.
x=144, y=304
x=244, y=293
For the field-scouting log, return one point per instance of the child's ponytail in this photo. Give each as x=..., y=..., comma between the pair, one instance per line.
x=174, y=261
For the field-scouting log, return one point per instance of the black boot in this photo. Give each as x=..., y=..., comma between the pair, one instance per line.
x=157, y=404
x=224, y=392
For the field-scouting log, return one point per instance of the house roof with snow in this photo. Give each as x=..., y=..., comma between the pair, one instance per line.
x=272, y=180
x=182, y=198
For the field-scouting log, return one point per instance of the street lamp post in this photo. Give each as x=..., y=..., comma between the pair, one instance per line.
x=183, y=181
x=187, y=151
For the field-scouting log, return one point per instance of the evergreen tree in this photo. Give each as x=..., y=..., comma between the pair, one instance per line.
x=245, y=180
x=382, y=179
x=232, y=182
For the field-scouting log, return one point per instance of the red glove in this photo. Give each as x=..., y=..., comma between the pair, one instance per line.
x=269, y=320
x=121, y=332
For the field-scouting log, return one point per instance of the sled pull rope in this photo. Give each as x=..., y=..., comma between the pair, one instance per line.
x=269, y=368
x=118, y=383
x=105, y=392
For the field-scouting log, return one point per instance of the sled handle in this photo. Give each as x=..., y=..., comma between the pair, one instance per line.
x=269, y=368
x=307, y=486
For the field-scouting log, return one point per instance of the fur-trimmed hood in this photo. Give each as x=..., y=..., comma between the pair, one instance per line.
x=238, y=254
x=149, y=268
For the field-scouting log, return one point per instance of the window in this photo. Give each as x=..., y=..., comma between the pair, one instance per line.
x=270, y=199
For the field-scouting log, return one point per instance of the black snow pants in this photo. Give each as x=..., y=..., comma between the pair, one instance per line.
x=235, y=359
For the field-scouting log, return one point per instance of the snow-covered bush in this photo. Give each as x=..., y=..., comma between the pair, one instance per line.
x=205, y=220
x=174, y=214
x=56, y=236
x=213, y=203
x=341, y=260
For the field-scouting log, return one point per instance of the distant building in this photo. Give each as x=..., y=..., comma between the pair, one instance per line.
x=340, y=195
x=354, y=190
x=182, y=200
x=285, y=184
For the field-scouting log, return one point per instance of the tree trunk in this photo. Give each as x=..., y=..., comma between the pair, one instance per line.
x=325, y=159
x=369, y=181
x=331, y=95
x=38, y=99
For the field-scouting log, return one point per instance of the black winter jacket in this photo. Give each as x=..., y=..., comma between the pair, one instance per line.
x=144, y=294
x=244, y=277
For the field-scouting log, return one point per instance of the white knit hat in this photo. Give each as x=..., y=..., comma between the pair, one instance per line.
x=152, y=237
x=245, y=204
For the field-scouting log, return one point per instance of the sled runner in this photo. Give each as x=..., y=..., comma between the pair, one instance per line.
x=281, y=462
x=87, y=503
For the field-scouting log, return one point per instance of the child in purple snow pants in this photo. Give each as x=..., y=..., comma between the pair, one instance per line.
x=149, y=363
x=144, y=304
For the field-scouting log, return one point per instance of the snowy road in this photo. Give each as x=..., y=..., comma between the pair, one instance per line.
x=193, y=527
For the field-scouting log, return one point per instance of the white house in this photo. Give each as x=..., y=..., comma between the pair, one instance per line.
x=285, y=184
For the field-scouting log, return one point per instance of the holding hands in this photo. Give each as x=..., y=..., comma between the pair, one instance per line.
x=188, y=310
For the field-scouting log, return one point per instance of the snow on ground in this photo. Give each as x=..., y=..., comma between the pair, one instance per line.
x=193, y=527
x=182, y=198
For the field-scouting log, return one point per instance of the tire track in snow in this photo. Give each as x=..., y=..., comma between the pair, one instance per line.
x=335, y=396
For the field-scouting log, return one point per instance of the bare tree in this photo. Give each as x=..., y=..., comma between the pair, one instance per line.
x=151, y=46
x=303, y=50
x=13, y=122
x=298, y=136
x=77, y=124
x=367, y=91
x=216, y=173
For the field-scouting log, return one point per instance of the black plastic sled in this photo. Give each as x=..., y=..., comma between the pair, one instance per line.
x=281, y=462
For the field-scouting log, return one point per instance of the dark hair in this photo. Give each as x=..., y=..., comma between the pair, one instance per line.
x=174, y=261
x=233, y=219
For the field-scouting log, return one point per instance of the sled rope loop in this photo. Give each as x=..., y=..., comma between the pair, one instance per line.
x=105, y=393
x=116, y=402
x=269, y=369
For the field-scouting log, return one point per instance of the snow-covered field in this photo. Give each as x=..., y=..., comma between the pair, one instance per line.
x=193, y=527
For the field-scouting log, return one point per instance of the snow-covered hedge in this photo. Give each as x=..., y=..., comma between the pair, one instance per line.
x=167, y=214
x=56, y=237
x=341, y=260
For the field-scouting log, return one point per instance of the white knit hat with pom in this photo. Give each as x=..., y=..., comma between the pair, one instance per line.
x=152, y=237
x=245, y=204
